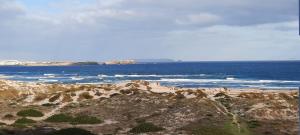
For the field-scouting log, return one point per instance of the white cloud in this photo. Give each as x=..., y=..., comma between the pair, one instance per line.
x=180, y=29
x=199, y=19
x=109, y=3
x=10, y=9
x=258, y=42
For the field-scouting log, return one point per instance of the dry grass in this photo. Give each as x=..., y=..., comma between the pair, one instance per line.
x=9, y=94
x=201, y=94
x=8, y=117
x=40, y=97
x=251, y=95
x=54, y=98
x=85, y=95
x=132, y=85
x=67, y=98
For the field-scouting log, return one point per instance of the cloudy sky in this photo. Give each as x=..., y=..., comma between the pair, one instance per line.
x=193, y=30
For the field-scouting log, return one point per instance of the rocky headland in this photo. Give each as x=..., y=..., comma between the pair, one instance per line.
x=63, y=63
x=142, y=107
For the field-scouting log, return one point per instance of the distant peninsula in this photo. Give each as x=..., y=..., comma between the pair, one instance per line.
x=63, y=63
x=82, y=63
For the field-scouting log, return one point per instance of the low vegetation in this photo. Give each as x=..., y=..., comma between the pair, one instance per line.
x=251, y=95
x=71, y=131
x=228, y=129
x=253, y=124
x=8, y=116
x=23, y=122
x=145, y=127
x=85, y=95
x=54, y=98
x=210, y=131
x=67, y=98
x=57, y=118
x=40, y=97
x=83, y=119
x=48, y=104
x=221, y=94
x=30, y=113
x=86, y=120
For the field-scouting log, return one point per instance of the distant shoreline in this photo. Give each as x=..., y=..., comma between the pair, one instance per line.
x=121, y=62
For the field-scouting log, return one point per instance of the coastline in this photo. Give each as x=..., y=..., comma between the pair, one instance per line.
x=182, y=107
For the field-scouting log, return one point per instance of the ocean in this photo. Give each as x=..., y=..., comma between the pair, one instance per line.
x=263, y=74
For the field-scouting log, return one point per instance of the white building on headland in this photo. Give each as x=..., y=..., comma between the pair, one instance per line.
x=10, y=63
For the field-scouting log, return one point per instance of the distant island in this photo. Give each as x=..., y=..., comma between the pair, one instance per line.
x=155, y=60
x=120, y=62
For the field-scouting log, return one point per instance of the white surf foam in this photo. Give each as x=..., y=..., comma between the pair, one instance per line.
x=47, y=80
x=152, y=75
x=227, y=80
x=77, y=78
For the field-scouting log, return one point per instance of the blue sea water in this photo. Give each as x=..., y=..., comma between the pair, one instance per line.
x=264, y=74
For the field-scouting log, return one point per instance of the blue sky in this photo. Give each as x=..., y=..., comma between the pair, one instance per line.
x=196, y=30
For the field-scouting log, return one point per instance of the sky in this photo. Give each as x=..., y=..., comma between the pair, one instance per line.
x=190, y=30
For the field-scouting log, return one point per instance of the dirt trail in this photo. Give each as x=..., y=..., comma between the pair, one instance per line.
x=7, y=122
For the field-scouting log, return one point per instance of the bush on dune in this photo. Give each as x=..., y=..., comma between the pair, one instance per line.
x=30, y=113
x=145, y=127
x=86, y=120
x=71, y=131
x=57, y=118
x=83, y=119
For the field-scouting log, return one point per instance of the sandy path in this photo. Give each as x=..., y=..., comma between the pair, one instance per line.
x=234, y=116
x=7, y=122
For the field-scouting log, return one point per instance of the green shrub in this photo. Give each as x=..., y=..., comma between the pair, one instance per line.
x=48, y=104
x=71, y=131
x=146, y=127
x=30, y=113
x=253, y=124
x=210, y=131
x=86, y=120
x=57, y=118
x=24, y=121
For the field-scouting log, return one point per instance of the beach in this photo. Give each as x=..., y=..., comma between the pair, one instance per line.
x=146, y=107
